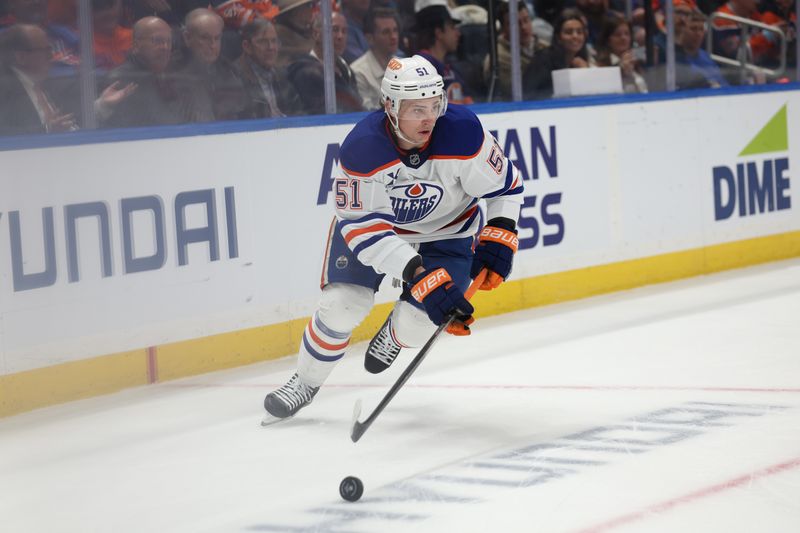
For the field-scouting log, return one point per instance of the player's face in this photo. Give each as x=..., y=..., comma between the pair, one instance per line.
x=417, y=118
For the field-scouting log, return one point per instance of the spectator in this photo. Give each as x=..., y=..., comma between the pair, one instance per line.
x=782, y=13
x=208, y=86
x=568, y=50
x=382, y=28
x=27, y=106
x=111, y=41
x=266, y=84
x=293, y=23
x=238, y=13
x=306, y=74
x=63, y=40
x=355, y=11
x=528, y=45
x=681, y=9
x=614, y=49
x=437, y=36
x=694, y=67
x=155, y=100
x=727, y=36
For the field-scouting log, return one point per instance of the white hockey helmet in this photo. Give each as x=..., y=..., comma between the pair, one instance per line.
x=410, y=78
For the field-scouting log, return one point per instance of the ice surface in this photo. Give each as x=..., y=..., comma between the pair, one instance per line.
x=668, y=408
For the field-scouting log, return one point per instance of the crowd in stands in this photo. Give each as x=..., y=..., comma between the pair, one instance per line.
x=160, y=62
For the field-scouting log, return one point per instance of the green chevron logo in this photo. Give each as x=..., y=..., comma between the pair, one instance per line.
x=773, y=137
x=754, y=185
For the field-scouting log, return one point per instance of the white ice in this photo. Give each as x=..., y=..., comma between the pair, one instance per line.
x=668, y=408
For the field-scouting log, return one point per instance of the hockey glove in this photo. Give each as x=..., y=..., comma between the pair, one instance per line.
x=435, y=290
x=497, y=245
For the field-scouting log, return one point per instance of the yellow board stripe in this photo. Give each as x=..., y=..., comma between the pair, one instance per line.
x=75, y=380
x=29, y=390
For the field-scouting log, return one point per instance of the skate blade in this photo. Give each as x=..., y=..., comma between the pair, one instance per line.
x=270, y=420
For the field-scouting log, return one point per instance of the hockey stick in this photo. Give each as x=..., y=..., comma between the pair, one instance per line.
x=360, y=427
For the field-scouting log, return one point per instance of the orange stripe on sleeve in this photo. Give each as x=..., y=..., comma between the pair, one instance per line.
x=369, y=229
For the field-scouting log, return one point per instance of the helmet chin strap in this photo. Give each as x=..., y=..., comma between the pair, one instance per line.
x=395, y=122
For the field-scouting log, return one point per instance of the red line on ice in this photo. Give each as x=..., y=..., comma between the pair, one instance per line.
x=692, y=496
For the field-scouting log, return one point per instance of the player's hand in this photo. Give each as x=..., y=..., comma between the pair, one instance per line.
x=497, y=245
x=435, y=290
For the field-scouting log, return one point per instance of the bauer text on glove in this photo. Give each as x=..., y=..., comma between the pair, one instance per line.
x=435, y=290
x=495, y=251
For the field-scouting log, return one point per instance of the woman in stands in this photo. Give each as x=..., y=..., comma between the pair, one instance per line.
x=614, y=49
x=568, y=50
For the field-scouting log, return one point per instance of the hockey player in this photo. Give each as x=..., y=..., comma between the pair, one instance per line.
x=407, y=190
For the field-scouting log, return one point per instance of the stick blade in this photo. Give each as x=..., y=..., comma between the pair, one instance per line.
x=358, y=430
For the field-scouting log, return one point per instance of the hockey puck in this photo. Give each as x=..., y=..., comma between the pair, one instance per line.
x=351, y=488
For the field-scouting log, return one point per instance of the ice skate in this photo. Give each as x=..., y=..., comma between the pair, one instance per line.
x=284, y=402
x=382, y=349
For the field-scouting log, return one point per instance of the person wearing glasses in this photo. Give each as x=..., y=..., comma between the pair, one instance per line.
x=28, y=104
x=155, y=100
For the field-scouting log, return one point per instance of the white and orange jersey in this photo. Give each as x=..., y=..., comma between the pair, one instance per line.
x=388, y=198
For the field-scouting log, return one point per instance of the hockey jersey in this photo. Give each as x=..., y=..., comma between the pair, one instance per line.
x=388, y=198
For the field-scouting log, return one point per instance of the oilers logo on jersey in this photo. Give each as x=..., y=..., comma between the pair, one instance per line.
x=413, y=202
x=385, y=204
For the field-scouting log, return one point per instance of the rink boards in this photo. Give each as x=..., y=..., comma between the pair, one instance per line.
x=126, y=262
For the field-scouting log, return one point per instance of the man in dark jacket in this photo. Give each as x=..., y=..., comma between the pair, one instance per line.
x=27, y=106
x=28, y=102
x=155, y=100
x=268, y=89
x=306, y=74
x=208, y=86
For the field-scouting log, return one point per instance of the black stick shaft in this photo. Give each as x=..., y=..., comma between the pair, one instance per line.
x=360, y=427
